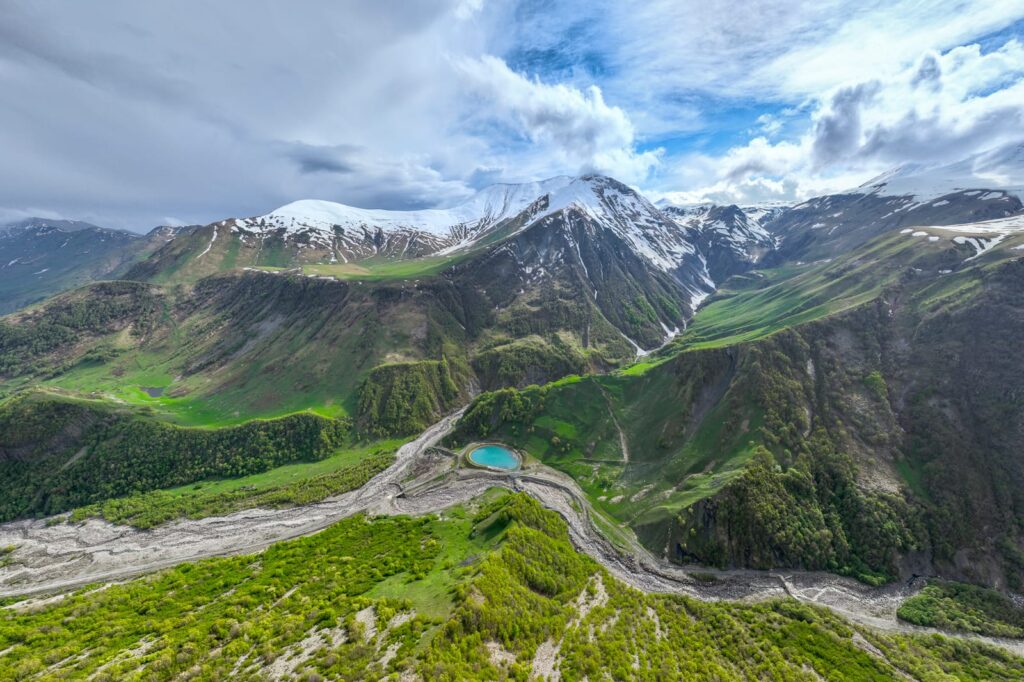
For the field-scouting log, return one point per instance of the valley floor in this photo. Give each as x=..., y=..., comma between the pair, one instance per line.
x=54, y=557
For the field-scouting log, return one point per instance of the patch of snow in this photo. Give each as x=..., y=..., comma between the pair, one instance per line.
x=698, y=298
x=210, y=245
x=640, y=352
x=669, y=333
x=981, y=245
x=1011, y=224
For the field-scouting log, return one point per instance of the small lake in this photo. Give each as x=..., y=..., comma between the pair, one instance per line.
x=495, y=457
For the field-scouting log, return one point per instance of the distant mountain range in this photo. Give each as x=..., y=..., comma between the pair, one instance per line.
x=41, y=257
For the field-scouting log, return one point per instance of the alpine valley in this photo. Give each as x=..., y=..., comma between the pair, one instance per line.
x=753, y=442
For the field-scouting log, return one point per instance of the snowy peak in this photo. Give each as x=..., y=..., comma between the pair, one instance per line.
x=609, y=204
x=730, y=223
x=350, y=233
x=599, y=196
x=487, y=207
x=731, y=239
x=997, y=170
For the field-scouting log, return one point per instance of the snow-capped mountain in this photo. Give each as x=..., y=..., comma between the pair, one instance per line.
x=984, y=186
x=354, y=233
x=591, y=236
x=996, y=170
x=597, y=242
x=324, y=232
x=733, y=224
x=625, y=212
x=43, y=226
x=730, y=239
x=487, y=207
x=349, y=233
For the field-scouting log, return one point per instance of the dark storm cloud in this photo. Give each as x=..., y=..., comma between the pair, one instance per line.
x=322, y=159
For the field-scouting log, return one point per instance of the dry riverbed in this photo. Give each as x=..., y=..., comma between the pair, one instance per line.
x=55, y=557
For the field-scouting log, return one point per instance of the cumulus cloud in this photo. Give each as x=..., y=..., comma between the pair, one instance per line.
x=576, y=124
x=467, y=8
x=940, y=108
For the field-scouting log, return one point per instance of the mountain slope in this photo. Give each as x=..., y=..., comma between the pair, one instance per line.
x=317, y=232
x=799, y=387
x=41, y=257
x=588, y=230
x=730, y=239
x=850, y=415
x=585, y=279
x=983, y=187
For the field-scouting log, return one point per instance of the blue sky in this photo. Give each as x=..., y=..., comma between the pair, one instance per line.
x=133, y=114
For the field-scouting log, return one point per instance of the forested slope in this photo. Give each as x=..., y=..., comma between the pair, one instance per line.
x=494, y=592
x=58, y=453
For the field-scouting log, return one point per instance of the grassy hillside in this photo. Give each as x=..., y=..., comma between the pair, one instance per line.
x=226, y=349
x=492, y=592
x=759, y=303
x=650, y=449
x=232, y=347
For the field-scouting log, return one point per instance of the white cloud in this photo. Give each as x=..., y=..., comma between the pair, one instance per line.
x=940, y=108
x=467, y=8
x=775, y=49
x=198, y=113
x=769, y=125
x=578, y=126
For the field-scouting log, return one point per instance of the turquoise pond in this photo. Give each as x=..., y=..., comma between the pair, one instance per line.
x=495, y=457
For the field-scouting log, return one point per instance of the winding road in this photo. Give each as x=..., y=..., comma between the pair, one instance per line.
x=57, y=557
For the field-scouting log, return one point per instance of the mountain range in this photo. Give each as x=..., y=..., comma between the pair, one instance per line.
x=831, y=385
x=42, y=257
